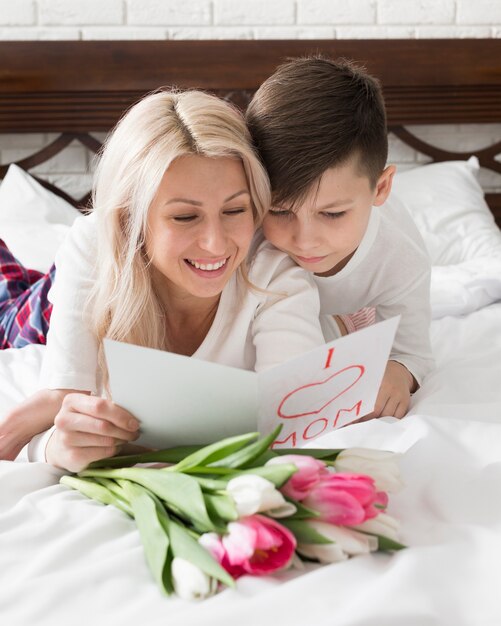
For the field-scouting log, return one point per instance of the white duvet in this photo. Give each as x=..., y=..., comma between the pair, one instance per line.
x=65, y=560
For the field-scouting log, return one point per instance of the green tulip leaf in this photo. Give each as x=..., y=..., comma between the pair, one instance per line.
x=168, y=455
x=150, y=518
x=215, y=452
x=186, y=547
x=385, y=544
x=327, y=455
x=304, y=533
x=322, y=454
x=180, y=491
x=246, y=457
x=208, y=484
x=221, y=509
x=277, y=474
x=302, y=512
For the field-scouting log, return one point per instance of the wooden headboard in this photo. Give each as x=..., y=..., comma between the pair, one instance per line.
x=76, y=87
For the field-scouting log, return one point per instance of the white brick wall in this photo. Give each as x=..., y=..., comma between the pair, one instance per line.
x=254, y=12
x=479, y=12
x=80, y=12
x=416, y=11
x=17, y=13
x=169, y=12
x=336, y=12
x=222, y=19
x=248, y=19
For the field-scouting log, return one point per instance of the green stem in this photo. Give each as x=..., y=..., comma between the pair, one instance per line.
x=221, y=471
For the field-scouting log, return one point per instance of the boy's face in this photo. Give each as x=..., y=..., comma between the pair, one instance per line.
x=324, y=232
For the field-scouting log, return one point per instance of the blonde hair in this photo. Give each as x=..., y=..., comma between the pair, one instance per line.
x=163, y=126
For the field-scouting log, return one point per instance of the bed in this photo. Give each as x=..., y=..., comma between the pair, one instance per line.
x=68, y=560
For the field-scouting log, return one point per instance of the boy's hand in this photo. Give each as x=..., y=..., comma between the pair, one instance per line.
x=394, y=394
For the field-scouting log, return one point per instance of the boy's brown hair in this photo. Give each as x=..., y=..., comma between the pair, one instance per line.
x=314, y=113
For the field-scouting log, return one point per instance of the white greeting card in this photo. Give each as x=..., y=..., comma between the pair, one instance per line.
x=326, y=388
x=181, y=400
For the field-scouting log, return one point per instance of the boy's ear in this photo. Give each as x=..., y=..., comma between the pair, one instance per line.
x=383, y=185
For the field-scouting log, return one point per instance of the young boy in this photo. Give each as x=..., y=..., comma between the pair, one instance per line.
x=320, y=127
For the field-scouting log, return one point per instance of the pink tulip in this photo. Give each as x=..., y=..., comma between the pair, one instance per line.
x=254, y=545
x=309, y=472
x=346, y=499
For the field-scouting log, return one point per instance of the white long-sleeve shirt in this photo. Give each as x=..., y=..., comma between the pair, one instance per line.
x=389, y=271
x=252, y=329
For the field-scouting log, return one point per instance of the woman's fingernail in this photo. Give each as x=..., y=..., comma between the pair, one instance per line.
x=132, y=425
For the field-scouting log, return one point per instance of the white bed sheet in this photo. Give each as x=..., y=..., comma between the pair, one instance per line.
x=67, y=560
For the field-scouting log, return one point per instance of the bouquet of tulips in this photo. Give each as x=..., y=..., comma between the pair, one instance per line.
x=208, y=515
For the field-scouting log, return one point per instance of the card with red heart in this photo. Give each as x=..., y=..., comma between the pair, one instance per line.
x=326, y=388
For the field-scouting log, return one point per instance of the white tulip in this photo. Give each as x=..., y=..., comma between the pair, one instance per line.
x=254, y=494
x=380, y=465
x=383, y=524
x=323, y=553
x=286, y=510
x=190, y=583
x=346, y=542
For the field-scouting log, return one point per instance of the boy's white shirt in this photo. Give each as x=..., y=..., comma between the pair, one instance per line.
x=252, y=330
x=389, y=271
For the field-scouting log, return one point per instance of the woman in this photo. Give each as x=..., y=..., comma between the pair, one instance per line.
x=164, y=261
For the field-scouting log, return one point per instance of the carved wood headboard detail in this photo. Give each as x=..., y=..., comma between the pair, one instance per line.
x=77, y=87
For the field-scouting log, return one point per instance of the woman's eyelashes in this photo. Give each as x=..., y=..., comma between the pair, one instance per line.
x=184, y=218
x=191, y=217
x=236, y=211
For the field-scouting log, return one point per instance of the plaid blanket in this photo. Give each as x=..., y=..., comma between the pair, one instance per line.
x=24, y=307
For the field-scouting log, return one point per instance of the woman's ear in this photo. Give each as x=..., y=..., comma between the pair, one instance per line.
x=383, y=185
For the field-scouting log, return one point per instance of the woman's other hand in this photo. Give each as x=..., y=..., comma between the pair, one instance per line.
x=34, y=415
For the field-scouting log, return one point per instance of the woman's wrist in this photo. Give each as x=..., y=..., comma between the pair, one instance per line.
x=48, y=451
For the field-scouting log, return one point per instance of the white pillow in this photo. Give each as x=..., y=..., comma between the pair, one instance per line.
x=459, y=231
x=33, y=220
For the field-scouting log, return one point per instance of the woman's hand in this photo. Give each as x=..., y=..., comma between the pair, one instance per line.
x=88, y=428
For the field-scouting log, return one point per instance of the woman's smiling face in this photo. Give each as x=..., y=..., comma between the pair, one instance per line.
x=199, y=227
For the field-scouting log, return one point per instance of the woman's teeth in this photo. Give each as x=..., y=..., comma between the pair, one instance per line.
x=208, y=267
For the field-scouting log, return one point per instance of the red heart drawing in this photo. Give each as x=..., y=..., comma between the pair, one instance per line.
x=301, y=391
